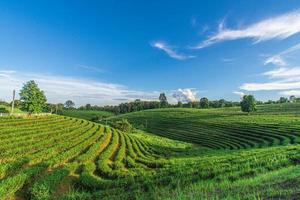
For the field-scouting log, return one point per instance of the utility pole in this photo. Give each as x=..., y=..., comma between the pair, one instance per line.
x=13, y=102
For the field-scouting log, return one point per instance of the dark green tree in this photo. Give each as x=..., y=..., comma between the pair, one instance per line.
x=283, y=100
x=248, y=104
x=204, y=103
x=179, y=104
x=163, y=100
x=88, y=106
x=32, y=98
x=292, y=98
x=69, y=104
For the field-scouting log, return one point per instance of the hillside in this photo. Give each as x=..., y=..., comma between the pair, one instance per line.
x=87, y=114
x=48, y=149
x=225, y=128
x=226, y=155
x=7, y=109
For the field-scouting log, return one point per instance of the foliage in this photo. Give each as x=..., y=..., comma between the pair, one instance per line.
x=122, y=125
x=69, y=104
x=240, y=156
x=163, y=100
x=248, y=104
x=32, y=98
x=92, y=115
x=204, y=103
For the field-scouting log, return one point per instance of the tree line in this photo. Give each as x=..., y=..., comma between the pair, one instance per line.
x=33, y=100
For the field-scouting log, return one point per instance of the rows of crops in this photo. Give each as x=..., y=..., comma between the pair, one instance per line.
x=38, y=155
x=219, y=130
x=238, y=156
x=87, y=114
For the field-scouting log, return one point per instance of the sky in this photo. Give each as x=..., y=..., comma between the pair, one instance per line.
x=108, y=52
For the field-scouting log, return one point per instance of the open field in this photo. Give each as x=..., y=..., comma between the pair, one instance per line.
x=220, y=128
x=86, y=114
x=217, y=154
x=37, y=154
x=6, y=109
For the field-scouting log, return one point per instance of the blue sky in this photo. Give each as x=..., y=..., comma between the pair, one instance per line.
x=109, y=52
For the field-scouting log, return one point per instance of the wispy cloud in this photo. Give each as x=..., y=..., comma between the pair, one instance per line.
x=275, y=60
x=227, y=60
x=170, y=51
x=239, y=93
x=278, y=27
x=283, y=72
x=279, y=59
x=290, y=93
x=90, y=68
x=280, y=85
x=285, y=77
x=62, y=88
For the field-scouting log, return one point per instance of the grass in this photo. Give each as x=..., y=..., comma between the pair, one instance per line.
x=216, y=154
x=224, y=128
x=7, y=109
x=87, y=114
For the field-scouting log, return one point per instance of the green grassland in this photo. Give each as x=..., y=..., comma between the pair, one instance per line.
x=86, y=114
x=7, y=109
x=178, y=154
x=225, y=128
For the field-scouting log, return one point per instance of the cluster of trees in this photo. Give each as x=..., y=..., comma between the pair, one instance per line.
x=138, y=105
x=291, y=99
x=122, y=108
x=33, y=100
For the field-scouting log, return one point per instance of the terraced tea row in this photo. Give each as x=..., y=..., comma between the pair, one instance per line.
x=219, y=130
x=38, y=154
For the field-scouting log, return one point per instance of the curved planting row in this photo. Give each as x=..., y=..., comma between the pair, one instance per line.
x=219, y=129
x=37, y=155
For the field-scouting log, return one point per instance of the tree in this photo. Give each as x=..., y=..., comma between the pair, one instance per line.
x=179, y=104
x=32, y=98
x=292, y=98
x=248, y=104
x=88, y=106
x=222, y=103
x=163, y=100
x=69, y=104
x=204, y=103
x=283, y=100
x=123, y=125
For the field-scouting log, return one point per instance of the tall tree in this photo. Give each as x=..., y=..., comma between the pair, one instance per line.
x=163, y=100
x=179, y=104
x=69, y=104
x=204, y=103
x=292, y=98
x=248, y=104
x=283, y=100
x=32, y=98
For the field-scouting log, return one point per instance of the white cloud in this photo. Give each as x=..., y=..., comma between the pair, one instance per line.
x=171, y=51
x=185, y=95
x=227, y=60
x=287, y=77
x=61, y=88
x=270, y=86
x=275, y=60
x=239, y=93
x=290, y=93
x=284, y=72
x=279, y=58
x=279, y=27
x=90, y=68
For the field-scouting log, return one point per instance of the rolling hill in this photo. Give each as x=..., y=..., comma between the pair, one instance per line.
x=216, y=154
x=220, y=128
